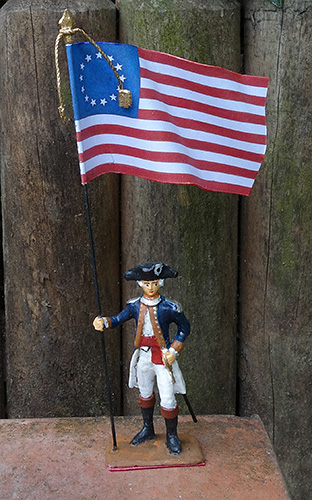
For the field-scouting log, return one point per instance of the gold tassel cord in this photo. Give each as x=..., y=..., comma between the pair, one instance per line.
x=66, y=31
x=61, y=107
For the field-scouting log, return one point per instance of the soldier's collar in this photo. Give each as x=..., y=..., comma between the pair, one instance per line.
x=149, y=302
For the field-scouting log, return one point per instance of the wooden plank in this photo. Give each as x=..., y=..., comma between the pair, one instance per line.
x=2, y=332
x=53, y=354
x=2, y=340
x=193, y=231
x=276, y=243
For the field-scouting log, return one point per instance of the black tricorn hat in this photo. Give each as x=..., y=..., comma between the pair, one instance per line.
x=150, y=272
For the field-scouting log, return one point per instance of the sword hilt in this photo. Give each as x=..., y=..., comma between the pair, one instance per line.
x=168, y=366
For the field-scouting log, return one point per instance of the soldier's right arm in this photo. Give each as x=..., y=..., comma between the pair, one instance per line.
x=100, y=323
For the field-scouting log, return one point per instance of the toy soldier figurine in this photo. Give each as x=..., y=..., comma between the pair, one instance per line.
x=154, y=354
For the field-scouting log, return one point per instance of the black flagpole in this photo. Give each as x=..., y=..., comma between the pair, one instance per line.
x=97, y=295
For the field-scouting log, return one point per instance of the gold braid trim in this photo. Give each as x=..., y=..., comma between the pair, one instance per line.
x=139, y=330
x=156, y=327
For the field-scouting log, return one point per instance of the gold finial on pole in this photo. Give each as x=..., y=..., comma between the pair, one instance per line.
x=66, y=26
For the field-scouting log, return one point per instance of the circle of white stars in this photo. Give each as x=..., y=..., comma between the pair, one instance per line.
x=104, y=100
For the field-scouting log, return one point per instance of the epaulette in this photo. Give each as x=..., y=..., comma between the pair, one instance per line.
x=131, y=301
x=177, y=304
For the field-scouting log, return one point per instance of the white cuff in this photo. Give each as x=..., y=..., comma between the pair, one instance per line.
x=174, y=351
x=106, y=323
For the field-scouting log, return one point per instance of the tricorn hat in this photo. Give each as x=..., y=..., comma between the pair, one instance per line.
x=150, y=272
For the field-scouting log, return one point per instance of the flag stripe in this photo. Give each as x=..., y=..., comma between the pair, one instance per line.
x=213, y=158
x=163, y=121
x=232, y=113
x=187, y=86
x=156, y=130
x=167, y=141
x=171, y=169
x=209, y=185
x=153, y=107
x=228, y=79
x=91, y=159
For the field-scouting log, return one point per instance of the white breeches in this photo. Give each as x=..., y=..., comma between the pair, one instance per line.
x=146, y=371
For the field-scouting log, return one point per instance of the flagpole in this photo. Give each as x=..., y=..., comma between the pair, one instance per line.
x=97, y=295
x=66, y=31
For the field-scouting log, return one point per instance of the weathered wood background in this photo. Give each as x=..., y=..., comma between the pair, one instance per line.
x=275, y=368
x=245, y=264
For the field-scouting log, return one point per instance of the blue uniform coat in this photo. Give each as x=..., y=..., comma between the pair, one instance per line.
x=168, y=312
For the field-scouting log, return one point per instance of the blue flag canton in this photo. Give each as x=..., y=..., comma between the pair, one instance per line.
x=94, y=85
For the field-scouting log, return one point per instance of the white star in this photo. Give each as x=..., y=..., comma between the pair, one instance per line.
x=103, y=101
x=82, y=66
x=110, y=58
x=98, y=55
x=122, y=78
x=113, y=97
x=81, y=77
x=83, y=89
x=88, y=58
x=86, y=98
x=93, y=102
x=118, y=67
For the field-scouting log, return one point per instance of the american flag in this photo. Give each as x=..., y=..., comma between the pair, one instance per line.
x=189, y=123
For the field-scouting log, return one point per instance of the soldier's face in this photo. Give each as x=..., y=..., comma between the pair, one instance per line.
x=150, y=288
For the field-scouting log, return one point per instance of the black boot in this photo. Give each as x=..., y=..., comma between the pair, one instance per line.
x=147, y=431
x=173, y=442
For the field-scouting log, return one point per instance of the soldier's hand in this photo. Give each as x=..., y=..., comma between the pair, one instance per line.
x=170, y=357
x=98, y=324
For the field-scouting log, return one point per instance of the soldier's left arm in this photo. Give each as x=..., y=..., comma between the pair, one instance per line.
x=183, y=328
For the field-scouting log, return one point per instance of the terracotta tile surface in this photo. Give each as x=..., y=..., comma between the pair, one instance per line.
x=64, y=459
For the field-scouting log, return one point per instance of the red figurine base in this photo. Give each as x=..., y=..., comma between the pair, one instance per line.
x=153, y=454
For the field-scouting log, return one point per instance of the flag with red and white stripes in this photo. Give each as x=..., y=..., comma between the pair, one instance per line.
x=189, y=123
